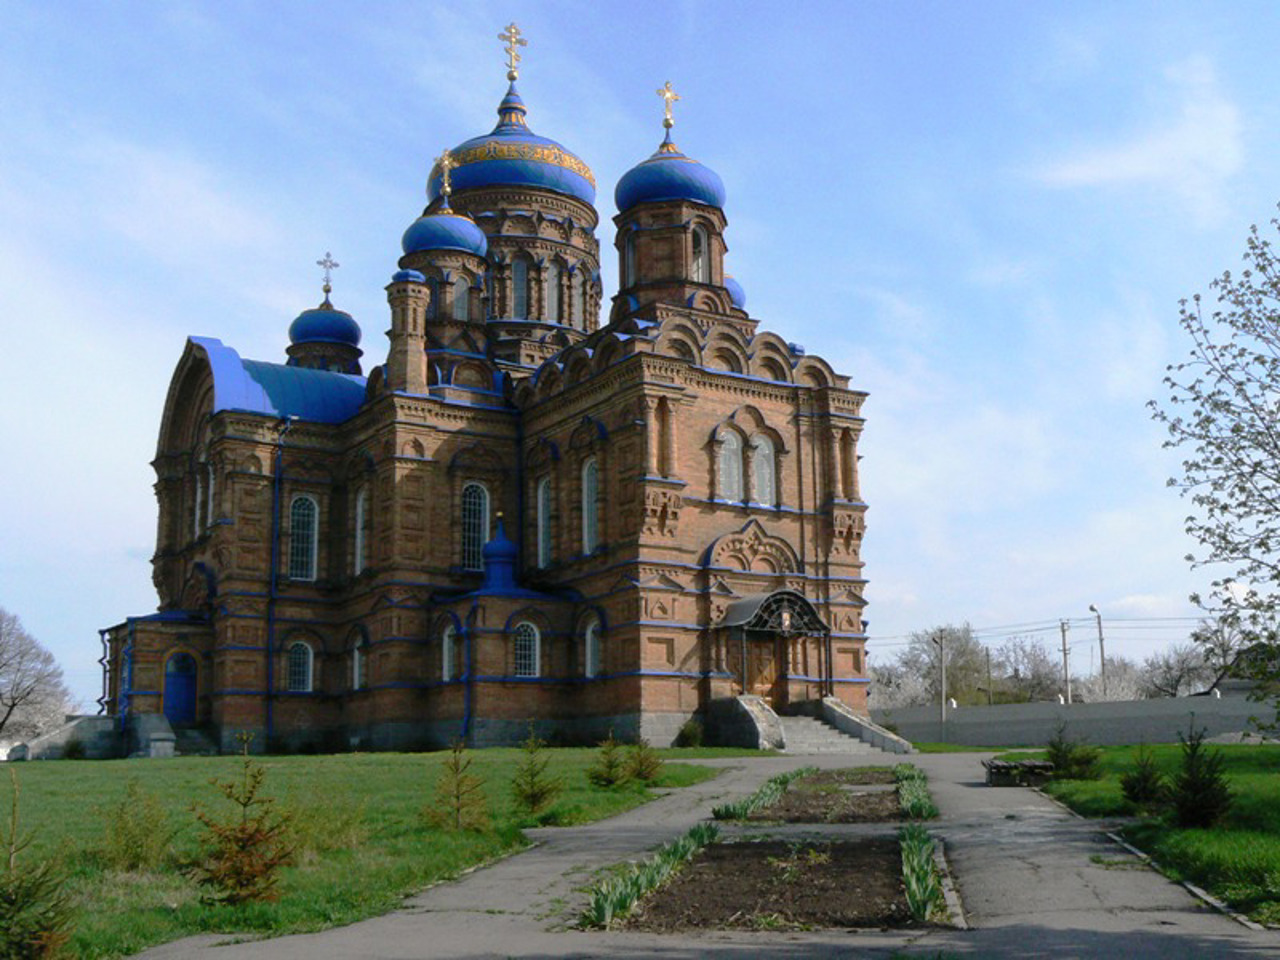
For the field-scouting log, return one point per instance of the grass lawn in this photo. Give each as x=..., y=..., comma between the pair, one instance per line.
x=362, y=844
x=1239, y=860
x=924, y=747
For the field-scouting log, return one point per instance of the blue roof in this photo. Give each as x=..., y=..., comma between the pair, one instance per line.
x=736, y=293
x=325, y=324
x=669, y=175
x=513, y=155
x=278, y=390
x=444, y=230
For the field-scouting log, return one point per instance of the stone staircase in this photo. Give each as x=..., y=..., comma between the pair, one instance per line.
x=193, y=742
x=806, y=735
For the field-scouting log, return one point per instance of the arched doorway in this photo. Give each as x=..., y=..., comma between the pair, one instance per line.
x=180, y=689
x=761, y=629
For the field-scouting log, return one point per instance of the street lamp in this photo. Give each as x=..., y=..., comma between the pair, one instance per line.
x=940, y=638
x=1102, y=649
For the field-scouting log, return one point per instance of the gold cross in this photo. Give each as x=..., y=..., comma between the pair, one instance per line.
x=329, y=264
x=669, y=96
x=511, y=37
x=445, y=163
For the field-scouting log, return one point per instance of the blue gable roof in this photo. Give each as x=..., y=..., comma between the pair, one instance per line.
x=277, y=390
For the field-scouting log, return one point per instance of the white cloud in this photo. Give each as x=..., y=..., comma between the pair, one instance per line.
x=1191, y=153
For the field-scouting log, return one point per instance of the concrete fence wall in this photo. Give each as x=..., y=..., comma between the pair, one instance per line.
x=1032, y=724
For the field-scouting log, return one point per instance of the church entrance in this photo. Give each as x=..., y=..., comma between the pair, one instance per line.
x=180, y=689
x=762, y=629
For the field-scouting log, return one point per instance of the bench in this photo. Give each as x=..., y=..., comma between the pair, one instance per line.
x=1017, y=773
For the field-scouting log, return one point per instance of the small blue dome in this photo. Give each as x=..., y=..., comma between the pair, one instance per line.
x=325, y=324
x=669, y=175
x=501, y=547
x=736, y=293
x=408, y=276
x=444, y=230
x=513, y=155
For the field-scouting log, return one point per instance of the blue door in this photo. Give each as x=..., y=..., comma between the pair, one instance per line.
x=180, y=689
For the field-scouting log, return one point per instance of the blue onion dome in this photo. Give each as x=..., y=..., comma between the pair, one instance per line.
x=736, y=293
x=501, y=547
x=669, y=175
x=513, y=155
x=325, y=324
x=408, y=276
x=444, y=230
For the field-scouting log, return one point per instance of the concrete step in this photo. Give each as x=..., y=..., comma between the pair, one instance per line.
x=808, y=735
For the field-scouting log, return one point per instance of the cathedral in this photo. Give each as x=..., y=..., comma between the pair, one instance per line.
x=515, y=511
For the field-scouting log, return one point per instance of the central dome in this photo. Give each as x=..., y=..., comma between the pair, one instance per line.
x=513, y=155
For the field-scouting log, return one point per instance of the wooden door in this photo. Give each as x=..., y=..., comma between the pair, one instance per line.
x=762, y=668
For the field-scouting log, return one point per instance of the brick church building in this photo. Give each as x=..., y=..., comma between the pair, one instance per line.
x=531, y=503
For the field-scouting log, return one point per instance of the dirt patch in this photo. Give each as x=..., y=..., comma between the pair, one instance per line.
x=776, y=885
x=856, y=776
x=826, y=799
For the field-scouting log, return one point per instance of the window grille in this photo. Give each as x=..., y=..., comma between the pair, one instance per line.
x=359, y=558
x=448, y=665
x=591, y=649
x=302, y=539
x=544, y=522
x=553, y=293
x=701, y=257
x=764, y=471
x=359, y=665
x=299, y=673
x=730, y=466
x=590, y=506
x=461, y=297
x=475, y=525
x=526, y=652
x=520, y=288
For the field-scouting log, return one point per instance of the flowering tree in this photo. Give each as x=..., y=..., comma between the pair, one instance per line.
x=31, y=689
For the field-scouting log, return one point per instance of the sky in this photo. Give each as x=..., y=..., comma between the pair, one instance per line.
x=984, y=213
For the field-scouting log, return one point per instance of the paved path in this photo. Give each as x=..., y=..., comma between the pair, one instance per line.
x=1023, y=867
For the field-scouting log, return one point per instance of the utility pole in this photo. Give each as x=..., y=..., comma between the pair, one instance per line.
x=940, y=638
x=1066, y=660
x=1102, y=650
x=989, y=700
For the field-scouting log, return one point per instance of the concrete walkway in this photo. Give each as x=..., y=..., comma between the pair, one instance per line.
x=1024, y=868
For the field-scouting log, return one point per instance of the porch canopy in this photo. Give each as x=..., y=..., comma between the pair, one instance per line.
x=783, y=611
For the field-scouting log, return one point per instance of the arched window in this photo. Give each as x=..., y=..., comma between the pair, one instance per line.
x=360, y=664
x=629, y=260
x=448, y=662
x=433, y=304
x=583, y=289
x=730, y=466
x=475, y=525
x=303, y=538
x=764, y=477
x=590, y=505
x=553, y=293
x=209, y=512
x=461, y=299
x=300, y=662
x=197, y=502
x=577, y=315
x=847, y=465
x=591, y=649
x=544, y=522
x=526, y=652
x=701, y=257
x=520, y=288
x=358, y=552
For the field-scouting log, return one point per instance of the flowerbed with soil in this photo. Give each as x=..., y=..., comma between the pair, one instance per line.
x=781, y=885
x=827, y=797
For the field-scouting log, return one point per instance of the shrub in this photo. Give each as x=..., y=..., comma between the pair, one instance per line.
x=643, y=763
x=34, y=912
x=1200, y=793
x=533, y=789
x=1144, y=785
x=74, y=749
x=610, y=768
x=1072, y=760
x=460, y=801
x=244, y=854
x=690, y=734
x=136, y=833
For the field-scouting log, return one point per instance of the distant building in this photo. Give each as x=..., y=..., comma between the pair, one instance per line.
x=518, y=513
